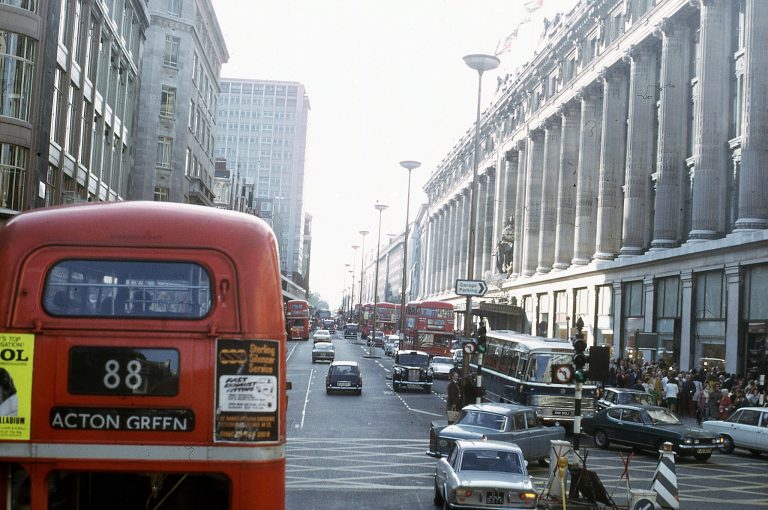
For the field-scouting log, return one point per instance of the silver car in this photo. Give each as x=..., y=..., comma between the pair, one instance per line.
x=484, y=474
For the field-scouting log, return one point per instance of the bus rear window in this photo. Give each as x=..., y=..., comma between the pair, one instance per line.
x=119, y=288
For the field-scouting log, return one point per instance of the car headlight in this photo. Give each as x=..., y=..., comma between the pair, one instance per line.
x=397, y=370
x=429, y=372
x=688, y=440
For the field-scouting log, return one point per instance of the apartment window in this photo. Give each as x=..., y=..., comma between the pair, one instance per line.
x=171, y=57
x=17, y=59
x=70, y=133
x=710, y=295
x=167, y=102
x=164, y=146
x=188, y=162
x=29, y=5
x=174, y=7
x=13, y=164
x=191, y=123
x=161, y=194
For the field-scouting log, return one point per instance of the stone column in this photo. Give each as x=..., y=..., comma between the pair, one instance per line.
x=612, y=159
x=673, y=116
x=566, y=194
x=449, y=223
x=438, y=250
x=482, y=189
x=464, y=228
x=733, y=296
x=453, y=259
x=618, y=334
x=510, y=187
x=589, y=162
x=498, y=210
x=429, y=268
x=642, y=113
x=490, y=227
x=519, y=215
x=441, y=248
x=753, y=178
x=533, y=202
x=708, y=217
x=549, y=185
x=686, y=318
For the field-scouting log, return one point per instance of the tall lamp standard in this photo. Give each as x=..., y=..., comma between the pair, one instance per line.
x=479, y=63
x=379, y=207
x=352, y=300
x=408, y=165
x=362, y=270
x=352, y=293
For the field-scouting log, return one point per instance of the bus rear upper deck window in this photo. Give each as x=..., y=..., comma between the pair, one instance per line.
x=118, y=288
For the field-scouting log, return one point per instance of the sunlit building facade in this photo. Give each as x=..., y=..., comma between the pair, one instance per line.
x=622, y=180
x=184, y=52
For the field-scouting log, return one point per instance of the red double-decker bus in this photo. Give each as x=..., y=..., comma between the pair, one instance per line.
x=387, y=317
x=429, y=327
x=144, y=346
x=297, y=319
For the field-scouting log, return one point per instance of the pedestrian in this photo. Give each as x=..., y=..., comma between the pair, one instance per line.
x=670, y=394
x=725, y=405
x=453, y=403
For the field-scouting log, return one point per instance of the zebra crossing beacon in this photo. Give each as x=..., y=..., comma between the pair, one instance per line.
x=148, y=360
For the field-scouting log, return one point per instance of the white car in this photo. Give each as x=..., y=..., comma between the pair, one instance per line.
x=321, y=335
x=746, y=428
x=441, y=366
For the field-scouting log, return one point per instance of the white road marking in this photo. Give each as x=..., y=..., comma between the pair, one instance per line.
x=289, y=354
x=306, y=399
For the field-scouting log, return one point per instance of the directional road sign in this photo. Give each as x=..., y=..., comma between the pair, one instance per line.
x=471, y=287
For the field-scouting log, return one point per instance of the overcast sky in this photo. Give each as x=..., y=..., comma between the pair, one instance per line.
x=386, y=83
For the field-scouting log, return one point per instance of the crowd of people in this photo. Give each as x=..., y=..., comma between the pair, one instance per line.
x=700, y=394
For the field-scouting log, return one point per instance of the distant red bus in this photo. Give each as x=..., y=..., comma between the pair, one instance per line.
x=387, y=317
x=297, y=319
x=429, y=326
x=144, y=343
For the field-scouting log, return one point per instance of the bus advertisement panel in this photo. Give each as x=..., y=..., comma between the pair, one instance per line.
x=152, y=338
x=297, y=319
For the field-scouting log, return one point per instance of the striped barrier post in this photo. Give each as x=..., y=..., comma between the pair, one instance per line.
x=665, y=479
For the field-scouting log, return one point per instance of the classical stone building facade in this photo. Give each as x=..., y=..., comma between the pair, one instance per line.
x=622, y=180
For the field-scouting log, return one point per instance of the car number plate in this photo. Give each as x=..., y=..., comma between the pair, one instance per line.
x=344, y=383
x=561, y=412
x=494, y=498
x=703, y=450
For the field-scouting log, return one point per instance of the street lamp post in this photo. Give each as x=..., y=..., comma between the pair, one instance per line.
x=363, y=233
x=352, y=300
x=479, y=63
x=379, y=207
x=408, y=165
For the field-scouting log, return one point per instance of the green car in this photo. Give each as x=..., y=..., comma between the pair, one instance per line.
x=646, y=427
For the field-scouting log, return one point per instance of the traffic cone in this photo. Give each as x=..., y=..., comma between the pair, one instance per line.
x=665, y=479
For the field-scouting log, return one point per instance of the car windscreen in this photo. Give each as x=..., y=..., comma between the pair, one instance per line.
x=663, y=417
x=413, y=360
x=540, y=365
x=323, y=346
x=442, y=360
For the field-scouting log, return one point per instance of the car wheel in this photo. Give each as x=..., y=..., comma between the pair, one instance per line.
x=703, y=457
x=755, y=453
x=601, y=439
x=544, y=462
x=446, y=506
x=395, y=387
x=359, y=392
x=327, y=391
x=428, y=389
x=727, y=446
x=438, y=498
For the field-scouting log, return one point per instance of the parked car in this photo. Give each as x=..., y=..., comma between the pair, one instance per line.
x=323, y=351
x=484, y=474
x=647, y=428
x=321, y=335
x=350, y=330
x=411, y=369
x=344, y=376
x=614, y=396
x=508, y=423
x=441, y=366
x=745, y=428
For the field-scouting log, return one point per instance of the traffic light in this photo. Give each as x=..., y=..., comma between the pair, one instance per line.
x=579, y=358
x=481, y=340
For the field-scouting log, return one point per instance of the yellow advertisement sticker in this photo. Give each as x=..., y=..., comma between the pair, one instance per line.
x=16, y=362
